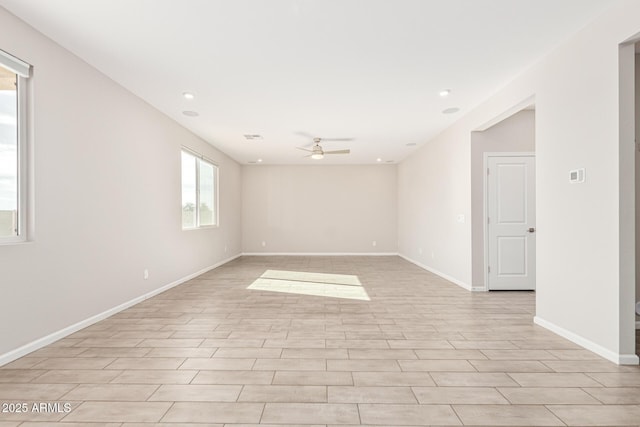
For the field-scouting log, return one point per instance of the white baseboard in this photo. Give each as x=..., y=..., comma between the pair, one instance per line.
x=620, y=359
x=319, y=254
x=44, y=341
x=438, y=273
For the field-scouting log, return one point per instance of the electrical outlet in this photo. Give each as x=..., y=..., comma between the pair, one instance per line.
x=264, y=243
x=225, y=248
x=374, y=243
x=420, y=251
x=146, y=274
x=433, y=255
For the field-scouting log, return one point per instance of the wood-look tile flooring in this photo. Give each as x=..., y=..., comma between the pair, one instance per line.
x=420, y=352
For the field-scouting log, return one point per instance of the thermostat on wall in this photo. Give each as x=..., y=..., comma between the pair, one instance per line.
x=576, y=176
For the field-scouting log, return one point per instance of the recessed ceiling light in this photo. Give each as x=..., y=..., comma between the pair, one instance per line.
x=444, y=92
x=259, y=160
x=450, y=110
x=378, y=160
x=191, y=113
x=411, y=144
x=252, y=136
x=188, y=95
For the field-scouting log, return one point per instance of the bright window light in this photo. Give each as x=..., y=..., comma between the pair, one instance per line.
x=13, y=148
x=199, y=192
x=317, y=284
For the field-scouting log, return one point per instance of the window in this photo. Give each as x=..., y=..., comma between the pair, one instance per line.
x=13, y=76
x=199, y=191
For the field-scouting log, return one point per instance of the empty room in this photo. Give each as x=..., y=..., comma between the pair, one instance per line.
x=323, y=213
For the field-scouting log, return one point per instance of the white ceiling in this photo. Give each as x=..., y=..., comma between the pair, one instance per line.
x=364, y=69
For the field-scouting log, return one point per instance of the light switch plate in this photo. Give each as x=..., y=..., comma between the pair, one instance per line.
x=576, y=176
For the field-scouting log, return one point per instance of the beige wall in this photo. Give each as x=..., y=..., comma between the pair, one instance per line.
x=576, y=91
x=319, y=209
x=514, y=134
x=106, y=198
x=433, y=190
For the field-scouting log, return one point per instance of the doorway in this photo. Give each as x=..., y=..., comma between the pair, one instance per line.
x=510, y=225
x=512, y=132
x=629, y=199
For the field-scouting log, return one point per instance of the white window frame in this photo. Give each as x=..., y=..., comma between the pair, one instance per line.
x=216, y=174
x=23, y=72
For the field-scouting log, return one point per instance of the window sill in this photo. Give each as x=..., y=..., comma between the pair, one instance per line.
x=14, y=241
x=205, y=227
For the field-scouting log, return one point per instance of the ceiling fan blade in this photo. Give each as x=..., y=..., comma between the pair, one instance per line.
x=305, y=134
x=338, y=152
x=304, y=149
x=337, y=139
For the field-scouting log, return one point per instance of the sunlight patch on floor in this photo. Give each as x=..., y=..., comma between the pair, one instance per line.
x=317, y=284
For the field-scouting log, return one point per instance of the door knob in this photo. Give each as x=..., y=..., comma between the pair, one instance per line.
x=531, y=230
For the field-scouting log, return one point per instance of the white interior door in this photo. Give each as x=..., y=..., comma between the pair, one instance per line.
x=511, y=223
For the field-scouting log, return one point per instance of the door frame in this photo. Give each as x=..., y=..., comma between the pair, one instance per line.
x=629, y=267
x=485, y=203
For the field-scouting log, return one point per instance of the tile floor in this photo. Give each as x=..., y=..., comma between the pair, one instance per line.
x=415, y=351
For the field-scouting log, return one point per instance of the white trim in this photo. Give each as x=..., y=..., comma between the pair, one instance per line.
x=41, y=342
x=628, y=359
x=620, y=359
x=199, y=155
x=439, y=273
x=24, y=165
x=637, y=324
x=14, y=64
x=320, y=254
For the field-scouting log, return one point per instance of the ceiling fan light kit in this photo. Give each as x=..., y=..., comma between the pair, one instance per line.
x=317, y=153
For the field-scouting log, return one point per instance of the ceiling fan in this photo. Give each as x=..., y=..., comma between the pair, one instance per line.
x=318, y=153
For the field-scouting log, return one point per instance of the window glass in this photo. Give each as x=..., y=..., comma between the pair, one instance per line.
x=188, y=191
x=8, y=154
x=199, y=188
x=206, y=186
